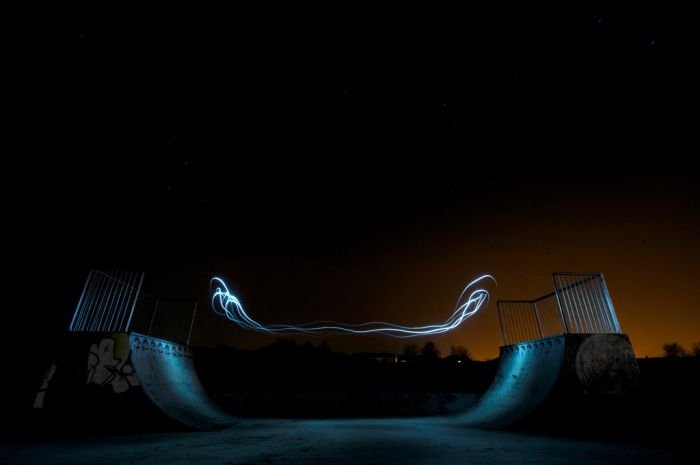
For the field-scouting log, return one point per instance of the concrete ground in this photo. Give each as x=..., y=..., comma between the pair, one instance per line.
x=347, y=441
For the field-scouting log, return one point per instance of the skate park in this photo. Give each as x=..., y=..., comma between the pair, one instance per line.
x=563, y=355
x=562, y=347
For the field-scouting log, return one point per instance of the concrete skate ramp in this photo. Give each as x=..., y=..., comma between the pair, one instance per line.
x=526, y=375
x=555, y=374
x=535, y=379
x=166, y=374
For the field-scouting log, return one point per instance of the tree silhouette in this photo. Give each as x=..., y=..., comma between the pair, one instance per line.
x=429, y=352
x=696, y=349
x=410, y=351
x=461, y=352
x=674, y=350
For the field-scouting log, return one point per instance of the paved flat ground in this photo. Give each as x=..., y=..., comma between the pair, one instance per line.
x=348, y=441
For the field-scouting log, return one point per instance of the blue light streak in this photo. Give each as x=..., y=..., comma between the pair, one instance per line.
x=472, y=298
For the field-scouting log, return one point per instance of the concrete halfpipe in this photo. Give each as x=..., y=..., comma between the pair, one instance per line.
x=126, y=381
x=585, y=360
x=558, y=372
x=166, y=374
x=130, y=374
x=526, y=374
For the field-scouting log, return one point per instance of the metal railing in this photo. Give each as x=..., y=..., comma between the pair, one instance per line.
x=173, y=320
x=107, y=302
x=580, y=303
x=114, y=302
x=145, y=307
x=585, y=303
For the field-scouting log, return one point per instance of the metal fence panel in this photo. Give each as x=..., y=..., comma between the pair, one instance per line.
x=107, y=302
x=580, y=303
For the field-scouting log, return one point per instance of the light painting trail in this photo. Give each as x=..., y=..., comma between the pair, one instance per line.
x=470, y=301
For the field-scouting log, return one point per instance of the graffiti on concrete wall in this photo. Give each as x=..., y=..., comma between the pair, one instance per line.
x=45, y=380
x=606, y=366
x=108, y=364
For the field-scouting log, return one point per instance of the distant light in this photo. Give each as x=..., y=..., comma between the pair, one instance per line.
x=226, y=303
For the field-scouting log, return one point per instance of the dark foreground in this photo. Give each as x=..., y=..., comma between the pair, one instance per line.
x=351, y=441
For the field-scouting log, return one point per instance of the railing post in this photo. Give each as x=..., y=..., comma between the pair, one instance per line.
x=611, y=309
x=133, y=306
x=153, y=317
x=500, y=321
x=189, y=334
x=537, y=316
x=561, y=310
x=80, y=302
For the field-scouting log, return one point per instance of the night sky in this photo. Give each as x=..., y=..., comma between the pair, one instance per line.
x=365, y=165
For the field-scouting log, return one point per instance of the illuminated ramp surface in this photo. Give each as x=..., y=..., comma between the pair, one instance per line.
x=558, y=370
x=166, y=374
x=526, y=375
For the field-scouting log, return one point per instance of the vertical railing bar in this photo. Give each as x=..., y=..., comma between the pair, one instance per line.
x=172, y=331
x=513, y=325
x=523, y=325
x=131, y=314
x=97, y=285
x=163, y=319
x=567, y=306
x=98, y=303
x=185, y=321
x=106, y=294
x=153, y=316
x=94, y=297
x=611, y=309
x=574, y=306
x=86, y=303
x=582, y=326
x=582, y=305
x=169, y=322
x=597, y=322
x=537, y=316
x=172, y=327
x=544, y=318
x=555, y=324
x=129, y=285
x=591, y=312
x=600, y=317
x=164, y=323
x=603, y=306
x=500, y=321
x=584, y=310
x=189, y=333
x=108, y=308
x=561, y=310
x=113, y=303
x=80, y=301
x=530, y=321
x=120, y=302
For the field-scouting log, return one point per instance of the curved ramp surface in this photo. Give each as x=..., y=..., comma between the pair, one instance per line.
x=526, y=376
x=166, y=374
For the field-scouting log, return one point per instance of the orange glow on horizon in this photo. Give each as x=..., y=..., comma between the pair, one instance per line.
x=647, y=252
